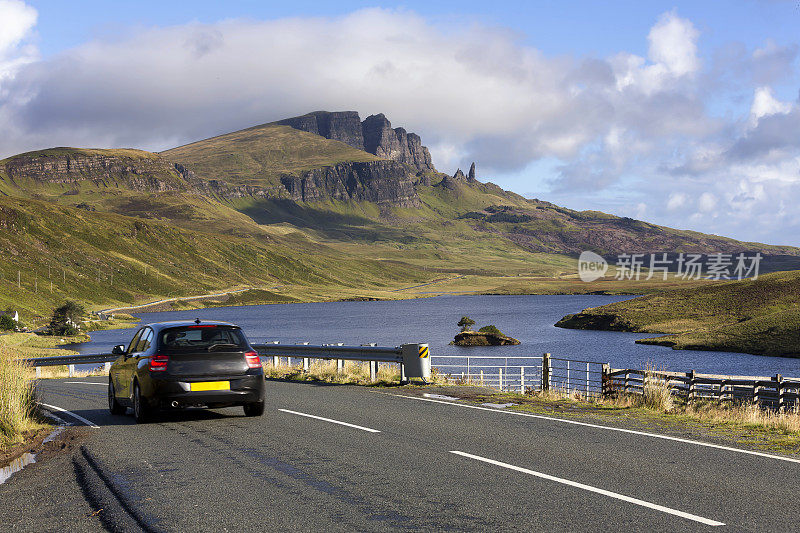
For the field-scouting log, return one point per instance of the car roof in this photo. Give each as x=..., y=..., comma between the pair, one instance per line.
x=180, y=323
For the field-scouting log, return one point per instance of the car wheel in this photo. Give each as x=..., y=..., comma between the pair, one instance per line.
x=114, y=406
x=141, y=411
x=254, y=409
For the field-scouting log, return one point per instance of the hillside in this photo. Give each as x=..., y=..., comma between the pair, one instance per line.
x=759, y=316
x=262, y=155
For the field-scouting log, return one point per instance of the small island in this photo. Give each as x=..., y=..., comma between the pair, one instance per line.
x=486, y=336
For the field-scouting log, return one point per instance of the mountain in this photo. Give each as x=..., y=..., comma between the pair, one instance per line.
x=334, y=193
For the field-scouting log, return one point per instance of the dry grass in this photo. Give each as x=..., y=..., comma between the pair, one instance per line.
x=54, y=372
x=746, y=414
x=354, y=372
x=17, y=399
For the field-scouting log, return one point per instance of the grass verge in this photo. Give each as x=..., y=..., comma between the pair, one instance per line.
x=17, y=399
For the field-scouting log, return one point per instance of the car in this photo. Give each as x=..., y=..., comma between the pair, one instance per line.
x=186, y=364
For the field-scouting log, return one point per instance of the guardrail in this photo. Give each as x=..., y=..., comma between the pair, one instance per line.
x=776, y=392
x=414, y=359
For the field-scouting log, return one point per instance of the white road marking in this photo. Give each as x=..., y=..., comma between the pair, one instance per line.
x=73, y=415
x=87, y=383
x=617, y=496
x=331, y=420
x=609, y=428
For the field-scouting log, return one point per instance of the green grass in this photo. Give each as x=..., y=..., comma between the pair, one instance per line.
x=753, y=316
x=262, y=154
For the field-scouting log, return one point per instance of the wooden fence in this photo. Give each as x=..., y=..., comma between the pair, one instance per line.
x=775, y=392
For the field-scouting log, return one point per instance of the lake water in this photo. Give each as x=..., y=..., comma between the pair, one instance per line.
x=433, y=320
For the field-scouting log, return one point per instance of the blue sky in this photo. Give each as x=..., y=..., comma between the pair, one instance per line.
x=684, y=113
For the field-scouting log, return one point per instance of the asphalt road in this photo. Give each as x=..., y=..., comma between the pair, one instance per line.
x=342, y=458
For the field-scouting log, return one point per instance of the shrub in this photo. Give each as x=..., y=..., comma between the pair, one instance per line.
x=491, y=329
x=65, y=318
x=7, y=323
x=465, y=323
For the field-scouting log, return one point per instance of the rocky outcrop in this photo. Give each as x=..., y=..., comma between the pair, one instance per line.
x=145, y=172
x=480, y=338
x=396, y=144
x=374, y=135
x=471, y=175
x=373, y=181
x=343, y=126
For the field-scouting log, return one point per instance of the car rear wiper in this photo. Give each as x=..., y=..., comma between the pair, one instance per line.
x=214, y=347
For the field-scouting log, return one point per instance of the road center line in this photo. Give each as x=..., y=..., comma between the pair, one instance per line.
x=622, y=497
x=73, y=415
x=609, y=428
x=330, y=420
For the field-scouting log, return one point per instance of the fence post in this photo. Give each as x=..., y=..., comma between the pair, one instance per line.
x=757, y=393
x=38, y=372
x=339, y=366
x=567, y=377
x=780, y=390
x=481, y=378
x=605, y=380
x=500, y=370
x=306, y=363
x=690, y=374
x=276, y=361
x=373, y=371
x=72, y=371
x=587, y=380
x=522, y=380
x=627, y=377
x=546, y=371
x=467, y=369
x=403, y=373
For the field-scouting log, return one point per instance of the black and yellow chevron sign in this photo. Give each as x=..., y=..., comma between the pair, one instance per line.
x=423, y=352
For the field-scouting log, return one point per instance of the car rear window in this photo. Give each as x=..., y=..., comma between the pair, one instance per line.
x=204, y=338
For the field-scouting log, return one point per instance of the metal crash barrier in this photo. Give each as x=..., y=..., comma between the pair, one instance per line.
x=414, y=359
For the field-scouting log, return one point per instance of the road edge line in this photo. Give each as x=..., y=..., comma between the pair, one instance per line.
x=70, y=413
x=596, y=490
x=609, y=428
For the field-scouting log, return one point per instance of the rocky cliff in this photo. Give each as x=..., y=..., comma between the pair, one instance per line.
x=343, y=126
x=395, y=144
x=374, y=181
x=374, y=135
x=130, y=169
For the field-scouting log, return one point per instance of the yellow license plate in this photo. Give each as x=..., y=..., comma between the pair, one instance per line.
x=210, y=385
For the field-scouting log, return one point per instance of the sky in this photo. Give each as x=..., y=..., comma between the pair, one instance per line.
x=685, y=114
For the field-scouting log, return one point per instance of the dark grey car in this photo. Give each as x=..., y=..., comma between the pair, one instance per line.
x=186, y=364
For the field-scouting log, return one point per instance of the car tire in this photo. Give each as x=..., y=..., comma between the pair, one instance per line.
x=254, y=409
x=141, y=411
x=114, y=406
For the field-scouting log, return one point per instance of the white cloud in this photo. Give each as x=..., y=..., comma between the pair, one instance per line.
x=17, y=19
x=707, y=202
x=676, y=201
x=765, y=103
x=673, y=44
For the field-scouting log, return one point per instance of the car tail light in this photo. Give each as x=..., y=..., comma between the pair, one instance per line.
x=158, y=363
x=253, y=361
